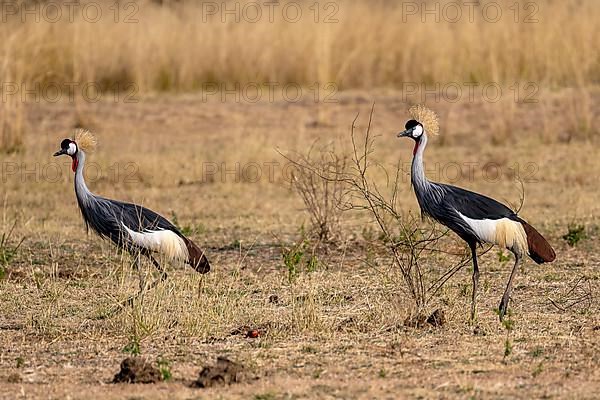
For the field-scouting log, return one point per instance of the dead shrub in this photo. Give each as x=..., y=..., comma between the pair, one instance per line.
x=404, y=237
x=316, y=179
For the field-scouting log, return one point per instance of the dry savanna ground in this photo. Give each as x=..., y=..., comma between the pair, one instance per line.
x=333, y=327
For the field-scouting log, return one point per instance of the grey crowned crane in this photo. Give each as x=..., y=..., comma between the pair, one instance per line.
x=131, y=227
x=473, y=217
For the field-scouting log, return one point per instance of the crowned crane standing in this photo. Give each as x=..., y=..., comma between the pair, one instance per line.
x=473, y=217
x=130, y=227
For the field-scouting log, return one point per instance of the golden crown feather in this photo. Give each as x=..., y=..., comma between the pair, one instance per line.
x=85, y=140
x=428, y=118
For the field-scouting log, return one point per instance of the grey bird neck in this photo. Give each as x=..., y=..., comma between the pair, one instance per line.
x=81, y=190
x=417, y=173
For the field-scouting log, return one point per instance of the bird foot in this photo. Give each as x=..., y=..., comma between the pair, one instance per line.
x=503, y=308
x=473, y=316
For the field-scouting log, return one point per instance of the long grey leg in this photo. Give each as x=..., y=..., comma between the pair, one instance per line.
x=163, y=274
x=475, y=281
x=505, y=298
x=129, y=302
x=137, y=265
x=163, y=277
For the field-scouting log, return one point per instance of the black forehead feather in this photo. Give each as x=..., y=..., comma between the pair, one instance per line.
x=411, y=124
x=65, y=143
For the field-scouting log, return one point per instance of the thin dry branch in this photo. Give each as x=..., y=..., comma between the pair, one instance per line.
x=315, y=181
x=402, y=235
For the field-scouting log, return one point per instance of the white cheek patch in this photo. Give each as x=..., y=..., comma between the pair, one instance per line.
x=72, y=149
x=418, y=131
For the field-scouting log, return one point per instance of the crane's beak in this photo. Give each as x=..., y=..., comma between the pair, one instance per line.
x=60, y=152
x=405, y=133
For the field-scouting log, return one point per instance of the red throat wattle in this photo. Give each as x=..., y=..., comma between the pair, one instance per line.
x=416, y=147
x=76, y=163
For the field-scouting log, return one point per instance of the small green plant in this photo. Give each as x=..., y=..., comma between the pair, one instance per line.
x=133, y=346
x=406, y=236
x=7, y=250
x=291, y=260
x=536, y=352
x=503, y=257
x=309, y=349
x=186, y=230
x=538, y=370
x=465, y=289
x=552, y=277
x=20, y=362
x=164, y=366
x=312, y=264
x=264, y=396
x=509, y=325
x=382, y=373
x=317, y=373
x=297, y=257
x=369, y=234
x=575, y=234
x=508, y=348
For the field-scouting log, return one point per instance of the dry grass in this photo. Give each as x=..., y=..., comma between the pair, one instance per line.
x=12, y=118
x=12, y=126
x=372, y=44
x=336, y=330
x=181, y=47
x=316, y=178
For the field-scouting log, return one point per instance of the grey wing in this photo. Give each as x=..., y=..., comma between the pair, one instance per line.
x=440, y=203
x=109, y=218
x=140, y=219
x=457, y=202
x=475, y=205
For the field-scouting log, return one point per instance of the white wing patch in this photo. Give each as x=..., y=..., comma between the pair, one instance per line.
x=503, y=232
x=162, y=241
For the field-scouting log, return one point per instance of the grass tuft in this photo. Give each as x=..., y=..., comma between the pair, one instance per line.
x=575, y=234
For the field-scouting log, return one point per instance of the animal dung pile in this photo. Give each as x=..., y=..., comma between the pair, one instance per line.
x=224, y=372
x=436, y=319
x=137, y=370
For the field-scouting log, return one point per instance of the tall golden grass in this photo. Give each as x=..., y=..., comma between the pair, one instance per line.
x=12, y=114
x=372, y=44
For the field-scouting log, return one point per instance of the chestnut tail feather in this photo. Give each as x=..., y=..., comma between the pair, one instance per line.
x=197, y=259
x=540, y=250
